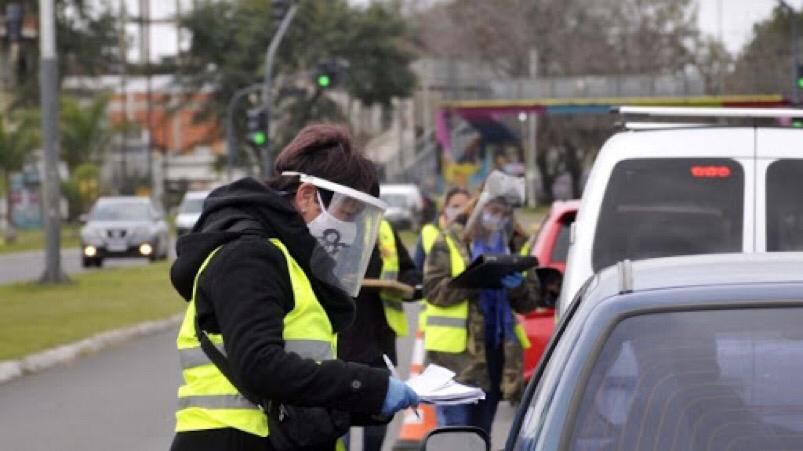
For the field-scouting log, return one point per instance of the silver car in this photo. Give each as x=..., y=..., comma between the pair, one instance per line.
x=126, y=226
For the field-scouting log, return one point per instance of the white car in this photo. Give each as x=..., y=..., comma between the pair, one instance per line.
x=189, y=211
x=405, y=204
x=689, y=190
x=124, y=226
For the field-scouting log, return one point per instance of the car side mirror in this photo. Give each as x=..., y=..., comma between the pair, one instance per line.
x=551, y=281
x=460, y=438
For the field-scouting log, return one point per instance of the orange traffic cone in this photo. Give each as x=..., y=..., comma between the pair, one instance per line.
x=413, y=428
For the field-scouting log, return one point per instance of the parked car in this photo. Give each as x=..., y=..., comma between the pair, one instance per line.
x=405, y=205
x=666, y=354
x=189, y=210
x=683, y=191
x=126, y=226
x=551, y=247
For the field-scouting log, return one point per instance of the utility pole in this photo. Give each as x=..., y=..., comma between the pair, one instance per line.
x=48, y=81
x=267, y=91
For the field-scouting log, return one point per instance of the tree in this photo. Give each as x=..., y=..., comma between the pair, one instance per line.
x=229, y=40
x=17, y=141
x=764, y=65
x=85, y=133
x=87, y=44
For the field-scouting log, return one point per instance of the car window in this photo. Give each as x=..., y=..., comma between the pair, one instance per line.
x=704, y=380
x=560, y=250
x=191, y=206
x=120, y=211
x=670, y=206
x=784, y=209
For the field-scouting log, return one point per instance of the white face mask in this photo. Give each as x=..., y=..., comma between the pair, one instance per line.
x=333, y=234
x=492, y=222
x=451, y=213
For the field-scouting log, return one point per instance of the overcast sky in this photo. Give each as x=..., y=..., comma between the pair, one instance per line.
x=731, y=19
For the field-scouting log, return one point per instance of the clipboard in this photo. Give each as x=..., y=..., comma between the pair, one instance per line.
x=486, y=271
x=406, y=291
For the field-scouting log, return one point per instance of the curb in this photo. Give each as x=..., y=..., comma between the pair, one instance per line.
x=62, y=355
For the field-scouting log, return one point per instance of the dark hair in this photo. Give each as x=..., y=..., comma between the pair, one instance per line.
x=454, y=191
x=325, y=151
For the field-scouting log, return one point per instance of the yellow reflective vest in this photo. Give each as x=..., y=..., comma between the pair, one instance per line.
x=392, y=303
x=207, y=400
x=429, y=233
x=447, y=327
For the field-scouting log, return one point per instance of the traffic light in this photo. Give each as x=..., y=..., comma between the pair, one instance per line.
x=329, y=73
x=799, y=79
x=256, y=124
x=279, y=9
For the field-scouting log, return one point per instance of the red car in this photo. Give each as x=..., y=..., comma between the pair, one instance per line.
x=551, y=247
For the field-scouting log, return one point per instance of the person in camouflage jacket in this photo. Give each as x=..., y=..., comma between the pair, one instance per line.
x=499, y=372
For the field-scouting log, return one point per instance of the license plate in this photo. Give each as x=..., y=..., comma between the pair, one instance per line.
x=117, y=246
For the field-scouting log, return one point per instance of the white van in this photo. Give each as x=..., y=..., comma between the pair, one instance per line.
x=689, y=190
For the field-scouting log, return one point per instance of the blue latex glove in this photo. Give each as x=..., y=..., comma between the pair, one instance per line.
x=512, y=280
x=398, y=397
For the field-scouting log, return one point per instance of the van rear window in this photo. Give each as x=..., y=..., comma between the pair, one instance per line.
x=784, y=206
x=671, y=206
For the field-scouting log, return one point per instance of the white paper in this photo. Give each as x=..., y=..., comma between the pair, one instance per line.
x=436, y=385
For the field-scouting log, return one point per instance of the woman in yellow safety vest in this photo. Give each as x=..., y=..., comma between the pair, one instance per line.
x=475, y=332
x=454, y=202
x=269, y=272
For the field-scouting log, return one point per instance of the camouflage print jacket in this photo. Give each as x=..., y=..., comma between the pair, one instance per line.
x=471, y=366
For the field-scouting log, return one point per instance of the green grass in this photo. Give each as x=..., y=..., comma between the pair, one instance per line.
x=36, y=317
x=30, y=240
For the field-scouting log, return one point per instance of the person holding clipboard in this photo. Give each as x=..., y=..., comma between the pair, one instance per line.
x=474, y=331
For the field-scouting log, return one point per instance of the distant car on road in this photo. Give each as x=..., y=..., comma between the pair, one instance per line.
x=405, y=205
x=551, y=247
x=666, y=354
x=125, y=226
x=189, y=211
x=686, y=190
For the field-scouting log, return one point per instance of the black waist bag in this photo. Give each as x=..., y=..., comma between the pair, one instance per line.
x=290, y=427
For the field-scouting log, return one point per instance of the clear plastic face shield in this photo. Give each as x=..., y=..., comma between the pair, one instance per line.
x=501, y=194
x=346, y=229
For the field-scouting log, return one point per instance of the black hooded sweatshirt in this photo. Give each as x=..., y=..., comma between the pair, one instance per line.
x=245, y=292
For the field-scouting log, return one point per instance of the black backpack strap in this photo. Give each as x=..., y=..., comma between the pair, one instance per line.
x=222, y=364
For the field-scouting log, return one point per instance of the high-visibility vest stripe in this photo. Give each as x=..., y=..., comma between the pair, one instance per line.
x=310, y=349
x=216, y=402
x=446, y=321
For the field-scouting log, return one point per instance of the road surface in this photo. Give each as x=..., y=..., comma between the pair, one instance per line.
x=28, y=266
x=123, y=399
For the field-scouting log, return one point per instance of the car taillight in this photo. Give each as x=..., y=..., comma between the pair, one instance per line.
x=710, y=172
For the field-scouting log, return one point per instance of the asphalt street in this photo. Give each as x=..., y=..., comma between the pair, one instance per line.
x=28, y=266
x=122, y=398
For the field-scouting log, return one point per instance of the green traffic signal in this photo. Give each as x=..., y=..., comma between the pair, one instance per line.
x=324, y=80
x=800, y=83
x=259, y=138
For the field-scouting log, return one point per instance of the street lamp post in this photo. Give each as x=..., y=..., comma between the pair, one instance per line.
x=48, y=80
x=267, y=94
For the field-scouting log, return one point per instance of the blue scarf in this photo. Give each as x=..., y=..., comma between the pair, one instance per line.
x=499, y=321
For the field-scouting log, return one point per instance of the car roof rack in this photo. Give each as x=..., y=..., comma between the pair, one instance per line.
x=707, y=112
x=625, y=271
x=659, y=125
